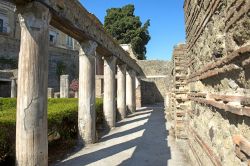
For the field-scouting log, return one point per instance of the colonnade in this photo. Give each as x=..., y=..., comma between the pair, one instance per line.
x=31, y=123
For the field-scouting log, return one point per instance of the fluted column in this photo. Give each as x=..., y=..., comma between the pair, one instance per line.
x=121, y=90
x=31, y=121
x=86, y=111
x=130, y=91
x=109, y=91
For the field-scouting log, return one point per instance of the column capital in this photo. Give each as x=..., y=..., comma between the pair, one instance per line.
x=131, y=72
x=34, y=16
x=138, y=78
x=88, y=48
x=121, y=68
x=122, y=65
x=111, y=60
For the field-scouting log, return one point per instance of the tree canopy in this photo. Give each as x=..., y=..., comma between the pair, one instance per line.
x=127, y=28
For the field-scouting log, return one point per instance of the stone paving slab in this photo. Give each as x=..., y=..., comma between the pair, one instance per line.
x=141, y=140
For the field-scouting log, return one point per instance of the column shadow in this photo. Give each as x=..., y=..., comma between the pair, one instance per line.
x=150, y=149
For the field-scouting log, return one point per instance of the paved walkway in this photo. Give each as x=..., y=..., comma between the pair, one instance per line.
x=139, y=140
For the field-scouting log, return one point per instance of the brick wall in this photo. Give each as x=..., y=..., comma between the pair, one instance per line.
x=218, y=51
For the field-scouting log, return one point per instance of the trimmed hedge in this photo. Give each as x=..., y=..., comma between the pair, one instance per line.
x=62, y=120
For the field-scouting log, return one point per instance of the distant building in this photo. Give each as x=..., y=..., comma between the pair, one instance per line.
x=9, y=26
x=129, y=49
x=63, y=52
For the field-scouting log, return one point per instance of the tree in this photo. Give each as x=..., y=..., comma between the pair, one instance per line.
x=127, y=28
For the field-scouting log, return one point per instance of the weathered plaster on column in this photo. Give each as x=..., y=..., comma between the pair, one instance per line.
x=86, y=112
x=31, y=122
x=130, y=91
x=109, y=91
x=121, y=90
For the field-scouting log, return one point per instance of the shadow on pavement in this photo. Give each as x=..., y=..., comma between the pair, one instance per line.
x=151, y=148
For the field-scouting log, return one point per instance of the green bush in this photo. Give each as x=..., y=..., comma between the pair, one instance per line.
x=62, y=119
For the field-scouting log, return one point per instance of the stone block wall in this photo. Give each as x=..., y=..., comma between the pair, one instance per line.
x=156, y=82
x=218, y=49
x=148, y=92
x=9, y=49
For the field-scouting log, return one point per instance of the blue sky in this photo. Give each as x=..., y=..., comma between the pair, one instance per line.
x=167, y=22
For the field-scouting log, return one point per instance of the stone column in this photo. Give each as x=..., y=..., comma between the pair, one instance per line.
x=31, y=121
x=64, y=86
x=121, y=91
x=138, y=92
x=50, y=92
x=109, y=91
x=86, y=111
x=13, y=88
x=130, y=91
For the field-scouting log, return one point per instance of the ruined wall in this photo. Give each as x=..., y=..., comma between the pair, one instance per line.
x=158, y=79
x=218, y=49
x=176, y=99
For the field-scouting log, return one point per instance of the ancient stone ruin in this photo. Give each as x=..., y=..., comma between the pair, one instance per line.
x=209, y=102
x=205, y=87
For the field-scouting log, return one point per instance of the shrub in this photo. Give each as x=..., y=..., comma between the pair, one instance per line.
x=62, y=119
